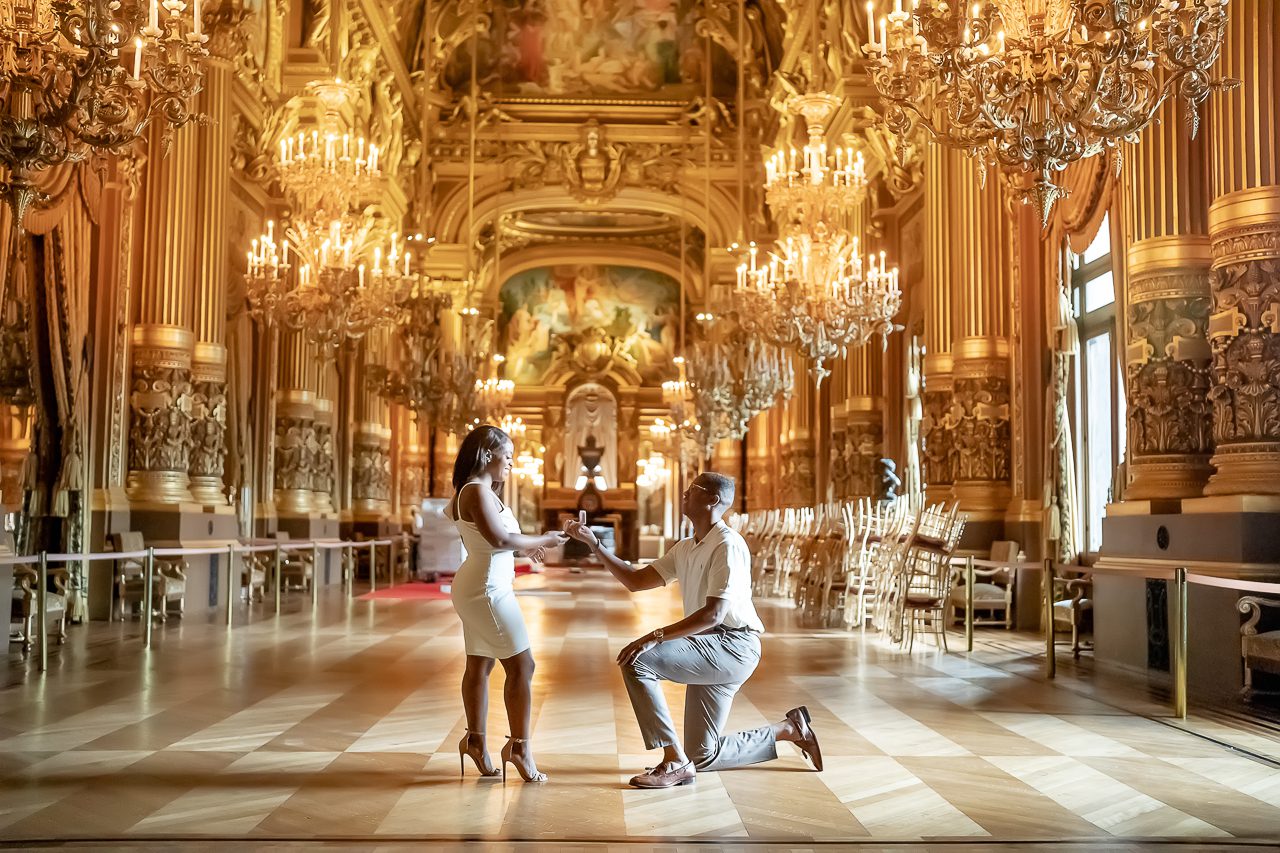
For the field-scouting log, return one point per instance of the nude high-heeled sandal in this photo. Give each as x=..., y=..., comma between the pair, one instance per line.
x=508, y=757
x=464, y=751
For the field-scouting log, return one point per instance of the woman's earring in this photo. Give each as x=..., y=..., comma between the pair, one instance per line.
x=486, y=458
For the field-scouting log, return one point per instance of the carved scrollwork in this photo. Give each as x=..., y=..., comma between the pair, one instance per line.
x=208, y=429
x=1246, y=365
x=322, y=460
x=861, y=451
x=160, y=419
x=295, y=438
x=937, y=439
x=1168, y=379
x=371, y=473
x=980, y=410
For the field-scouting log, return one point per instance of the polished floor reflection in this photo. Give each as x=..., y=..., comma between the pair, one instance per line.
x=344, y=726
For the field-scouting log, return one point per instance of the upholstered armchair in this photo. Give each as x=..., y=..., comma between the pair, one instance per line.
x=993, y=589
x=169, y=584
x=25, y=608
x=254, y=568
x=1073, y=611
x=1260, y=649
x=296, y=567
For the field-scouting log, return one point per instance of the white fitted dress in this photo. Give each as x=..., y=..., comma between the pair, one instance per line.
x=492, y=625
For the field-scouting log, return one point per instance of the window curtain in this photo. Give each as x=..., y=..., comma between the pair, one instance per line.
x=1091, y=187
x=56, y=250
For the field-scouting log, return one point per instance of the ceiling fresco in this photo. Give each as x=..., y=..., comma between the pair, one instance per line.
x=548, y=310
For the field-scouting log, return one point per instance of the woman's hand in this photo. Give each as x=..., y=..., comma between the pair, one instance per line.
x=538, y=555
x=552, y=539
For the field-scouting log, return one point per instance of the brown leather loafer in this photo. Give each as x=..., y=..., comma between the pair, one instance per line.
x=808, y=742
x=658, y=778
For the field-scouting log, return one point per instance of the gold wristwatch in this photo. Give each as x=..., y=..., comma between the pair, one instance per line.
x=657, y=635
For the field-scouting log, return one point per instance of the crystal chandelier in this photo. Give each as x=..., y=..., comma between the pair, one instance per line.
x=732, y=377
x=817, y=296
x=514, y=427
x=316, y=281
x=1039, y=84
x=325, y=170
x=528, y=469
x=813, y=185
x=814, y=294
x=652, y=472
x=493, y=395
x=90, y=76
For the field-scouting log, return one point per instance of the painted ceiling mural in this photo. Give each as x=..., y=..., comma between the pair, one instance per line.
x=545, y=308
x=594, y=48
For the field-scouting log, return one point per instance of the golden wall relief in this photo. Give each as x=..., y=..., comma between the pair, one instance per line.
x=982, y=435
x=937, y=439
x=295, y=462
x=370, y=472
x=1170, y=433
x=861, y=450
x=160, y=426
x=797, y=475
x=208, y=430
x=322, y=462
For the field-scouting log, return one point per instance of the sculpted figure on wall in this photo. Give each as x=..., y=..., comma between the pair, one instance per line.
x=982, y=436
x=160, y=420
x=1169, y=377
x=208, y=429
x=292, y=460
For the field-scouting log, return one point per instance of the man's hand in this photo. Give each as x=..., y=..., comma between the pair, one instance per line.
x=579, y=530
x=635, y=648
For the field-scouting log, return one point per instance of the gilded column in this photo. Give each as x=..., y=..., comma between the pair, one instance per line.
x=982, y=262
x=322, y=462
x=864, y=414
x=163, y=341
x=937, y=426
x=1244, y=229
x=371, y=444
x=413, y=466
x=1167, y=311
x=797, y=457
x=209, y=362
x=762, y=447
x=295, y=439
x=837, y=472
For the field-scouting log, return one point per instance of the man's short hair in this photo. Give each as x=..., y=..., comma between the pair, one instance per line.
x=719, y=485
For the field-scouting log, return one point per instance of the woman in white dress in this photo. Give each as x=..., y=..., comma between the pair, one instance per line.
x=492, y=627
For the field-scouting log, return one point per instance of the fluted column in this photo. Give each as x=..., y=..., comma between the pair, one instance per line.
x=371, y=445
x=798, y=476
x=1167, y=311
x=413, y=466
x=982, y=270
x=295, y=443
x=864, y=420
x=937, y=427
x=162, y=338
x=837, y=471
x=762, y=447
x=322, y=466
x=209, y=362
x=1244, y=228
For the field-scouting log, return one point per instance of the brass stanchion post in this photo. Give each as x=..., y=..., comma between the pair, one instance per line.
x=275, y=579
x=231, y=587
x=315, y=575
x=373, y=565
x=968, y=603
x=42, y=617
x=1180, y=643
x=1050, y=660
x=147, y=593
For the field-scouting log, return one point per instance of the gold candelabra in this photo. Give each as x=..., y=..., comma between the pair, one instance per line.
x=1039, y=84
x=90, y=76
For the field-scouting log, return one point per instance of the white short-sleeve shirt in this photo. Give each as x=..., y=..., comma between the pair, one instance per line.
x=717, y=567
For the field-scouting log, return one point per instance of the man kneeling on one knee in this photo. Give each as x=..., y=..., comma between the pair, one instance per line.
x=713, y=649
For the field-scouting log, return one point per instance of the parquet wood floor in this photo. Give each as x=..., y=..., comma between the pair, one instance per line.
x=344, y=725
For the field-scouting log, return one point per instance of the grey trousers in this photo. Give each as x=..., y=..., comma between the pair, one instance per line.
x=713, y=666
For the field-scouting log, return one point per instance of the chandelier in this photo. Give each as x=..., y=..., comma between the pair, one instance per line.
x=816, y=295
x=316, y=281
x=732, y=377
x=440, y=384
x=514, y=427
x=325, y=171
x=652, y=472
x=528, y=469
x=813, y=185
x=1040, y=84
x=493, y=395
x=90, y=76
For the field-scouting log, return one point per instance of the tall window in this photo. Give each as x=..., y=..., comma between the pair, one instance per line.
x=1099, y=399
